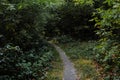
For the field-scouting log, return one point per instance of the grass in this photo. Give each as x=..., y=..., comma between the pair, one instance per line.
x=56, y=71
x=81, y=54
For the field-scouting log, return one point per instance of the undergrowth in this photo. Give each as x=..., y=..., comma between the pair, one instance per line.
x=81, y=53
x=56, y=70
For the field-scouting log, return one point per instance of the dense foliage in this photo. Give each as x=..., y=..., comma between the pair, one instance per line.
x=72, y=19
x=108, y=48
x=16, y=64
x=24, y=55
x=25, y=24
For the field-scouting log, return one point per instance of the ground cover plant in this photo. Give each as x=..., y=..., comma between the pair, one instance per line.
x=108, y=48
x=24, y=53
x=26, y=25
x=56, y=71
x=81, y=54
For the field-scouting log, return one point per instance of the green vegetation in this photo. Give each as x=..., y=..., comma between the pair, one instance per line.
x=56, y=72
x=26, y=25
x=73, y=20
x=108, y=49
x=24, y=54
x=81, y=54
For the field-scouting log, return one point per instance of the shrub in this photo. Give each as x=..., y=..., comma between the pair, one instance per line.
x=108, y=49
x=18, y=65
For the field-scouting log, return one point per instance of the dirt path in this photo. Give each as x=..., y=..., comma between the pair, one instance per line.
x=69, y=70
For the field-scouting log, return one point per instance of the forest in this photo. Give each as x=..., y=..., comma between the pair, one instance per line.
x=87, y=30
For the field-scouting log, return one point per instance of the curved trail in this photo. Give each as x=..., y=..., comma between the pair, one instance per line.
x=69, y=70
